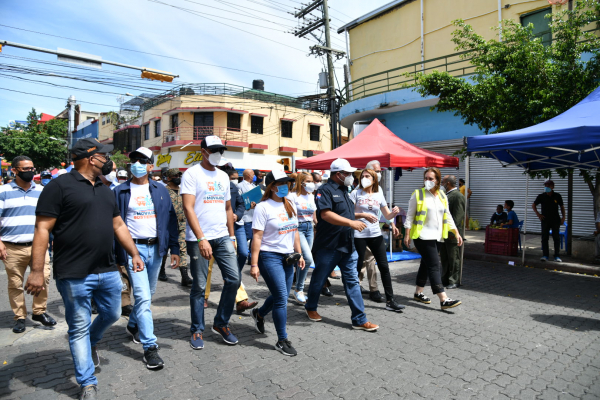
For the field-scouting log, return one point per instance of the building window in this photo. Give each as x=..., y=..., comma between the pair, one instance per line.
x=256, y=124
x=541, y=24
x=147, y=132
x=234, y=121
x=103, y=120
x=286, y=129
x=315, y=133
x=174, y=120
x=157, y=128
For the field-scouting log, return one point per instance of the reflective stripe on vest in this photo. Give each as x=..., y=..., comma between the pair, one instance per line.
x=421, y=214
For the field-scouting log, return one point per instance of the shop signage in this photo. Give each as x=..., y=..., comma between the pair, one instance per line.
x=163, y=159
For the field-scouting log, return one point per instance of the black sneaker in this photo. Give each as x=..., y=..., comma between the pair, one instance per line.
x=285, y=348
x=376, y=296
x=393, y=306
x=95, y=356
x=89, y=393
x=162, y=275
x=126, y=311
x=133, y=331
x=152, y=359
x=259, y=323
x=422, y=298
x=449, y=303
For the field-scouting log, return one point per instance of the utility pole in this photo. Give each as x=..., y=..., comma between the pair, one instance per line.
x=71, y=104
x=323, y=49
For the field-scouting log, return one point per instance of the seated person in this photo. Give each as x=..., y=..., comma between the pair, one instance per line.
x=512, y=221
x=499, y=216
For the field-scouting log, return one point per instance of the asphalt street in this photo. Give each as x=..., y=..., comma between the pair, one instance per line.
x=521, y=333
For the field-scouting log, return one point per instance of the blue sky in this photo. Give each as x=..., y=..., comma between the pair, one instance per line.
x=149, y=26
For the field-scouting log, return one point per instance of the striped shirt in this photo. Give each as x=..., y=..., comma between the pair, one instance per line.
x=17, y=212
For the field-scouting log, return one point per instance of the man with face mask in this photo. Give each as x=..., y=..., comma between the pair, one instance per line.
x=334, y=244
x=110, y=179
x=18, y=200
x=85, y=219
x=121, y=176
x=45, y=177
x=150, y=217
x=449, y=250
x=551, y=202
x=209, y=232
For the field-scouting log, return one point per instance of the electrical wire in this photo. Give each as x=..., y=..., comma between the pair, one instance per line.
x=237, y=13
x=54, y=97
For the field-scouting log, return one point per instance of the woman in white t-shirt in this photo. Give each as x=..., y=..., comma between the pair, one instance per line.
x=275, y=238
x=369, y=204
x=304, y=201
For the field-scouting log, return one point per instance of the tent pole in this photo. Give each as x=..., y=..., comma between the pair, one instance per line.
x=525, y=223
x=391, y=197
x=462, y=249
x=569, y=244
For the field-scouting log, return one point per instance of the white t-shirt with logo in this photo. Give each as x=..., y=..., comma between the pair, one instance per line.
x=305, y=204
x=211, y=189
x=278, y=229
x=141, y=215
x=370, y=204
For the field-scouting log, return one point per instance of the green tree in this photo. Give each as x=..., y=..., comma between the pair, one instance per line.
x=520, y=81
x=34, y=141
x=120, y=159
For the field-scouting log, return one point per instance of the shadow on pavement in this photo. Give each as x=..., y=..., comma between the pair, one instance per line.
x=569, y=322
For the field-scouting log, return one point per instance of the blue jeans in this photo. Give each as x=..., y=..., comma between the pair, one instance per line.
x=77, y=296
x=305, y=230
x=242, y=245
x=224, y=254
x=279, y=278
x=249, y=234
x=325, y=262
x=143, y=284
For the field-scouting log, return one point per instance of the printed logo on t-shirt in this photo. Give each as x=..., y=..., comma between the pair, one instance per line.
x=215, y=194
x=144, y=208
x=286, y=225
x=368, y=202
x=304, y=210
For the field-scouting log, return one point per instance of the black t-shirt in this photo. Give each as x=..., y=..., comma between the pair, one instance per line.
x=499, y=219
x=83, y=232
x=550, y=205
x=334, y=197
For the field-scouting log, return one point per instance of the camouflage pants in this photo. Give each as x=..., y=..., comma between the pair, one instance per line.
x=182, y=249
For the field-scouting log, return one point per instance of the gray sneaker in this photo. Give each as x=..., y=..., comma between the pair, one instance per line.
x=557, y=259
x=89, y=393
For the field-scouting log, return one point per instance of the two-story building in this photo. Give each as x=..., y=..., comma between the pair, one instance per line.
x=410, y=36
x=259, y=128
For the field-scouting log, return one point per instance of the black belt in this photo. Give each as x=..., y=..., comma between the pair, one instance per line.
x=305, y=222
x=146, y=241
x=21, y=244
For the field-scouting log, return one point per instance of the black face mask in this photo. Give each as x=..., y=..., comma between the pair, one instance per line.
x=176, y=181
x=106, y=168
x=27, y=176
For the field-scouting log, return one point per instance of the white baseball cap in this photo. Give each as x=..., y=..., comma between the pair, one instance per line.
x=212, y=143
x=142, y=152
x=122, y=174
x=341, y=165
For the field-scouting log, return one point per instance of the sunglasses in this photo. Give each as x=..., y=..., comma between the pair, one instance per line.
x=141, y=160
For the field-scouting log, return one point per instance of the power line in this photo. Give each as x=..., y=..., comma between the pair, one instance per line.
x=237, y=13
x=156, y=55
x=54, y=97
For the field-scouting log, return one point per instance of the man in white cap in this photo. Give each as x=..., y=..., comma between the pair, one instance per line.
x=207, y=205
x=334, y=244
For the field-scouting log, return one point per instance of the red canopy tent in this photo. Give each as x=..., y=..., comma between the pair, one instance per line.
x=377, y=142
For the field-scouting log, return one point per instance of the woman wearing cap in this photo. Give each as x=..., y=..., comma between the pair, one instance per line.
x=429, y=221
x=304, y=201
x=275, y=228
x=369, y=205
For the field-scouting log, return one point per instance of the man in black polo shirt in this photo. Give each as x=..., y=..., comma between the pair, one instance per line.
x=551, y=221
x=334, y=244
x=82, y=213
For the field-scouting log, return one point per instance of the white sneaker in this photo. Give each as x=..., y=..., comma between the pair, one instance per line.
x=300, y=298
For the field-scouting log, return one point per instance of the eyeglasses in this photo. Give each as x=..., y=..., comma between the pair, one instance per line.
x=105, y=156
x=27, y=169
x=141, y=160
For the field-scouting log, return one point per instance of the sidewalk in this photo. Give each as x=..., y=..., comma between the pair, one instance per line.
x=475, y=250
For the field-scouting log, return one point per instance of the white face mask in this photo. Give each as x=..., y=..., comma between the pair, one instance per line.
x=429, y=185
x=214, y=159
x=111, y=177
x=349, y=180
x=234, y=182
x=366, y=182
x=317, y=185
x=379, y=176
x=309, y=187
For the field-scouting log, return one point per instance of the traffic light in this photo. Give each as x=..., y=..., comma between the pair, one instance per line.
x=156, y=76
x=287, y=164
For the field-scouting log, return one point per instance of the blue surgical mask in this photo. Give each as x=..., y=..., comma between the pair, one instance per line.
x=499, y=213
x=282, y=191
x=547, y=189
x=138, y=170
x=254, y=178
x=46, y=181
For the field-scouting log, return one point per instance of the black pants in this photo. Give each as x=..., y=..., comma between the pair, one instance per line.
x=547, y=226
x=450, y=256
x=377, y=246
x=430, y=264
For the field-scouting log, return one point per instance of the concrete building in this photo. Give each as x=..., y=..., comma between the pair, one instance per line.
x=415, y=36
x=86, y=129
x=258, y=127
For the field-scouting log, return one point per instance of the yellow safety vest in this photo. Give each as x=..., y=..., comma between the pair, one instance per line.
x=421, y=214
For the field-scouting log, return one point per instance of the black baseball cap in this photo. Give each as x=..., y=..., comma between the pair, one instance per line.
x=87, y=147
x=46, y=173
x=212, y=143
x=277, y=177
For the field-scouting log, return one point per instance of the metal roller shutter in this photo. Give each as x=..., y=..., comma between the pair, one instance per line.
x=492, y=185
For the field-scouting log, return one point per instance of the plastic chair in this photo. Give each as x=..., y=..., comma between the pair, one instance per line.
x=520, y=227
x=563, y=235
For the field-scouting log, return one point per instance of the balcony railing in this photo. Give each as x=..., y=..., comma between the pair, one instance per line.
x=200, y=132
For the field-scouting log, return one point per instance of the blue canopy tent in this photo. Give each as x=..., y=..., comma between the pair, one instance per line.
x=570, y=140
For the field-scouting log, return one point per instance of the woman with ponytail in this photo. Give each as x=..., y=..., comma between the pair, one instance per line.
x=275, y=239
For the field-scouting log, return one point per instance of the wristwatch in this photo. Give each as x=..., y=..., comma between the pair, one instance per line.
x=232, y=238
x=201, y=239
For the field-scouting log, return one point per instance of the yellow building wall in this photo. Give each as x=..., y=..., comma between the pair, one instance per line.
x=393, y=39
x=271, y=123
